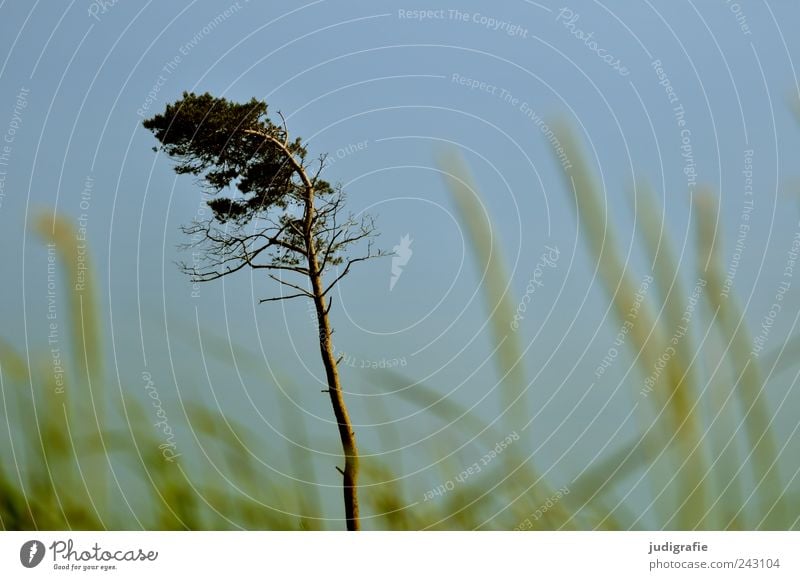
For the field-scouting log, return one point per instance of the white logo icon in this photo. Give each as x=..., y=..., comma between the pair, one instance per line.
x=402, y=254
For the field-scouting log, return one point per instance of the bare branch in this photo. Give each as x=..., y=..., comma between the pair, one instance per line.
x=322, y=159
x=285, y=130
x=350, y=263
x=280, y=298
x=290, y=285
x=327, y=253
x=228, y=251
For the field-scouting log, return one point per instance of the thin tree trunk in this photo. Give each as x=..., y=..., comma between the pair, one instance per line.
x=346, y=433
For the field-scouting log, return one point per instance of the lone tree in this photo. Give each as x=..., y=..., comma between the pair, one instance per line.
x=284, y=220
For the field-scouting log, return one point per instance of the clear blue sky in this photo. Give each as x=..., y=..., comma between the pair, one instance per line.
x=350, y=73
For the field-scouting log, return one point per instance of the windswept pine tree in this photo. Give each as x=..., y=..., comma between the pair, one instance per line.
x=270, y=211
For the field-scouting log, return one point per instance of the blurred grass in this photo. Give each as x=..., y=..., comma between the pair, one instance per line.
x=675, y=393
x=64, y=468
x=749, y=384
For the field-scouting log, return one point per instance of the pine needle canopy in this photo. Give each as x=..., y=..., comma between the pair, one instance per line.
x=283, y=218
x=225, y=144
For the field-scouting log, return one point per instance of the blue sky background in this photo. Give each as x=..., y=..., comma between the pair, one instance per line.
x=345, y=73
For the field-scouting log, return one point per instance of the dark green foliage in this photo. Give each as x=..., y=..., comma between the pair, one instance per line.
x=219, y=141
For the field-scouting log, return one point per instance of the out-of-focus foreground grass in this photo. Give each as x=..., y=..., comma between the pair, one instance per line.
x=64, y=460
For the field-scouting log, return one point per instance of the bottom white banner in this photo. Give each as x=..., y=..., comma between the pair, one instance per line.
x=399, y=554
